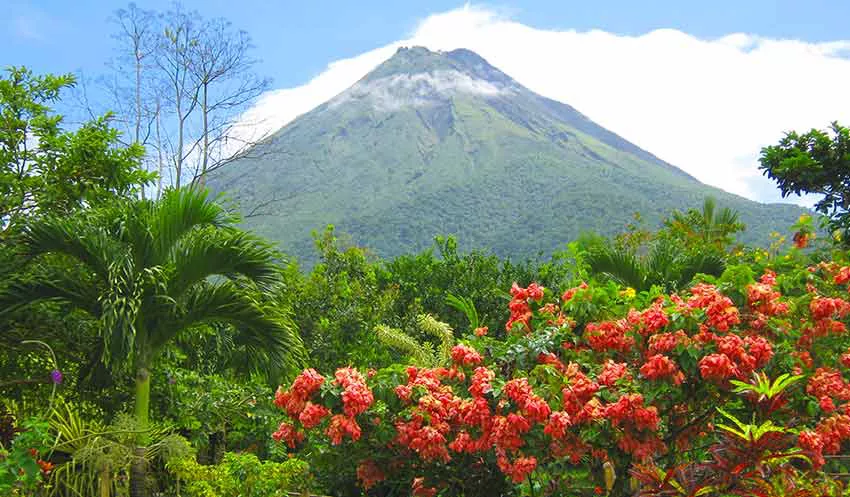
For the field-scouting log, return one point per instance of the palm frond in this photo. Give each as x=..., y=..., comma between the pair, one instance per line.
x=72, y=237
x=57, y=286
x=466, y=306
x=618, y=265
x=178, y=212
x=225, y=252
x=268, y=334
x=661, y=262
x=690, y=266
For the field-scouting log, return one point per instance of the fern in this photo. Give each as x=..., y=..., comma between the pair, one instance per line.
x=421, y=354
x=440, y=330
x=405, y=344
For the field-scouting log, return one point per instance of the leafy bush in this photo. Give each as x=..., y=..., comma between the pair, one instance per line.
x=593, y=388
x=241, y=475
x=22, y=469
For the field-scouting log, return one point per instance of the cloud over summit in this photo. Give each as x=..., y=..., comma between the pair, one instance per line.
x=706, y=106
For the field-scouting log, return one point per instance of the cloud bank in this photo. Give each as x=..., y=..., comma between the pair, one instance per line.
x=391, y=93
x=704, y=105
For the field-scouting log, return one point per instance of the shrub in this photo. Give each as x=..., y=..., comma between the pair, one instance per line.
x=595, y=383
x=240, y=475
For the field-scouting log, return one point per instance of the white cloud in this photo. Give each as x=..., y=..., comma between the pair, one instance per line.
x=707, y=106
x=391, y=93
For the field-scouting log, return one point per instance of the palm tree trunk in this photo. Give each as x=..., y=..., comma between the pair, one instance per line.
x=138, y=471
x=105, y=482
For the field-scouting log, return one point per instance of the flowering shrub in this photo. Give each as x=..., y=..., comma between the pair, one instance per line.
x=594, y=385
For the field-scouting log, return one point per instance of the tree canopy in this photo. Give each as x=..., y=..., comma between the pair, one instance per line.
x=816, y=162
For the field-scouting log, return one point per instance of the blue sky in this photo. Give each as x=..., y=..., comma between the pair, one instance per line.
x=694, y=96
x=297, y=39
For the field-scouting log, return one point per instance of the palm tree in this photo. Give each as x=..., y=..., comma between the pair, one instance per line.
x=665, y=265
x=151, y=271
x=709, y=227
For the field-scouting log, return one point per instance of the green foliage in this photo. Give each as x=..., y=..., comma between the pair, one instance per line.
x=20, y=472
x=241, y=475
x=422, y=354
x=97, y=456
x=817, y=163
x=44, y=169
x=666, y=265
x=338, y=305
x=148, y=272
x=217, y=412
x=707, y=229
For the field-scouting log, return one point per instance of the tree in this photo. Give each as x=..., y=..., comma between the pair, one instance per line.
x=154, y=271
x=181, y=82
x=709, y=228
x=221, y=67
x=44, y=169
x=815, y=162
x=665, y=264
x=174, y=60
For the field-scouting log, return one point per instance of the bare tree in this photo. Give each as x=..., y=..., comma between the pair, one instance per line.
x=223, y=71
x=180, y=84
x=137, y=31
x=181, y=31
x=134, y=83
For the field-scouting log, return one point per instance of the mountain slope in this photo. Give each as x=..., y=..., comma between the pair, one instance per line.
x=443, y=143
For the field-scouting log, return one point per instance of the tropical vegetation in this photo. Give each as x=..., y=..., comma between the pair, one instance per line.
x=151, y=344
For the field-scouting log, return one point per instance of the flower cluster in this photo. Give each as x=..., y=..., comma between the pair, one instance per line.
x=464, y=355
x=720, y=311
x=625, y=382
x=519, y=305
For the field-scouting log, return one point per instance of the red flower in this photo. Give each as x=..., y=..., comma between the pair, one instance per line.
x=660, y=366
x=418, y=488
x=535, y=292
x=342, y=426
x=45, y=466
x=287, y=433
x=519, y=470
x=629, y=409
x=403, y=392
x=481, y=379
x=843, y=275
x=719, y=310
x=845, y=359
x=356, y=395
x=569, y=294
x=550, y=358
x=307, y=383
x=290, y=403
x=369, y=474
x=611, y=372
x=717, y=367
x=801, y=239
x=825, y=307
x=653, y=318
x=812, y=443
x=312, y=415
x=664, y=343
x=481, y=331
x=609, y=335
x=465, y=355
x=558, y=423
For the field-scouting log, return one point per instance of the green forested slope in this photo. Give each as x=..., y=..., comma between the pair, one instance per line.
x=443, y=143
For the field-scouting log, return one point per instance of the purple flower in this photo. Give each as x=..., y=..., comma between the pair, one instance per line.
x=56, y=376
